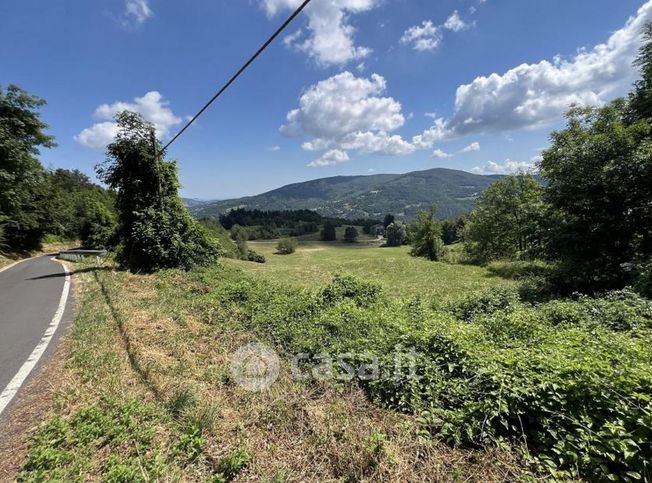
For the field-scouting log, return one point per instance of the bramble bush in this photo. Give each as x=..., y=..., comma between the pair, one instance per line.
x=568, y=382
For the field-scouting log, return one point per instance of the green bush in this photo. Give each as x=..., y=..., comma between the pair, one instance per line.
x=485, y=303
x=568, y=382
x=349, y=287
x=286, y=246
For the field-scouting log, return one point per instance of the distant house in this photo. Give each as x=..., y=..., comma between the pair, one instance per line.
x=377, y=230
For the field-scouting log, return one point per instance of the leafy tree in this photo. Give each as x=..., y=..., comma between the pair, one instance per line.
x=506, y=222
x=350, y=234
x=328, y=232
x=21, y=175
x=598, y=171
x=396, y=234
x=240, y=235
x=99, y=228
x=389, y=219
x=155, y=230
x=425, y=236
x=74, y=203
x=286, y=246
x=452, y=230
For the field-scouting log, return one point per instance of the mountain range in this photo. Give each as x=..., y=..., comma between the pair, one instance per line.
x=453, y=192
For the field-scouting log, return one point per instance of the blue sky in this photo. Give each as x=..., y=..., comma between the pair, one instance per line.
x=354, y=87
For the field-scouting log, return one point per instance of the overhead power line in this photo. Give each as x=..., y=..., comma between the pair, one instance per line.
x=240, y=71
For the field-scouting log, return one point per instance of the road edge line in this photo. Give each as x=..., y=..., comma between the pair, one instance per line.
x=18, y=380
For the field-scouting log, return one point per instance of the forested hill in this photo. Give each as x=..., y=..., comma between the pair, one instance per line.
x=452, y=191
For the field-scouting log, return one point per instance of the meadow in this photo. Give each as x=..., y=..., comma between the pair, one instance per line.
x=503, y=390
x=400, y=275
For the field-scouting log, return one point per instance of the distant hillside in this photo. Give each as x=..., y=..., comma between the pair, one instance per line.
x=193, y=203
x=452, y=191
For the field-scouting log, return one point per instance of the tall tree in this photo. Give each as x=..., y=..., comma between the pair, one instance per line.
x=425, y=234
x=22, y=177
x=328, y=232
x=598, y=171
x=155, y=229
x=506, y=221
x=389, y=219
x=396, y=234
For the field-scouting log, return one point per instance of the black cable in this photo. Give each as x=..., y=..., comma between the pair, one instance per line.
x=242, y=69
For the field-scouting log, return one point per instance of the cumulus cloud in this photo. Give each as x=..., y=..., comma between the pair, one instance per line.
x=533, y=95
x=329, y=158
x=472, y=147
x=137, y=11
x=508, y=167
x=422, y=37
x=330, y=37
x=455, y=23
x=152, y=106
x=348, y=113
x=439, y=154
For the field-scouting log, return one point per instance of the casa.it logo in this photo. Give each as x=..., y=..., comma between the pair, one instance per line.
x=255, y=367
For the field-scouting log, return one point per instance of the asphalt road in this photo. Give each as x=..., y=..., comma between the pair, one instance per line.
x=30, y=305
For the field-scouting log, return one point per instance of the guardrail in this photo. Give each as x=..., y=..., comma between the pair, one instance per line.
x=79, y=255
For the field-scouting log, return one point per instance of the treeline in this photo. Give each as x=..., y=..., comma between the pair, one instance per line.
x=36, y=203
x=268, y=225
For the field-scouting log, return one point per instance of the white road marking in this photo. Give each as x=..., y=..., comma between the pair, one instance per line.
x=16, y=383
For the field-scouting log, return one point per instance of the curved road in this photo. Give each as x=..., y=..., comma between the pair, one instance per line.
x=34, y=308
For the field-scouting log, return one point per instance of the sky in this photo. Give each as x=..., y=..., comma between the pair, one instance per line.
x=352, y=87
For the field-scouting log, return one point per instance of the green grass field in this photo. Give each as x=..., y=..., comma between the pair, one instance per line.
x=315, y=264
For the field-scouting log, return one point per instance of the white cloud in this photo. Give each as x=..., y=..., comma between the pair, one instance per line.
x=349, y=113
x=330, y=37
x=472, y=147
x=274, y=148
x=329, y=158
x=422, y=37
x=455, y=23
x=137, y=11
x=439, y=154
x=508, y=167
x=152, y=106
x=534, y=95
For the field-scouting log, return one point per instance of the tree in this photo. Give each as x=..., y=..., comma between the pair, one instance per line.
x=389, y=219
x=452, y=230
x=155, y=230
x=350, y=234
x=286, y=246
x=22, y=177
x=424, y=234
x=396, y=234
x=328, y=232
x=240, y=235
x=598, y=173
x=506, y=222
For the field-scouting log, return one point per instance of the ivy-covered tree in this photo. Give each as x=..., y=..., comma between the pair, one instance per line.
x=389, y=219
x=155, y=230
x=22, y=178
x=424, y=234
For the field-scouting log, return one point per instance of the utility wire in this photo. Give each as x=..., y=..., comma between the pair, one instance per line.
x=242, y=69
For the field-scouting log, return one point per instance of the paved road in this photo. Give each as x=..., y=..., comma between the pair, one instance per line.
x=33, y=312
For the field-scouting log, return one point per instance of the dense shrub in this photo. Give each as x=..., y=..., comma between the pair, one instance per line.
x=349, y=287
x=286, y=246
x=424, y=234
x=252, y=256
x=485, y=303
x=568, y=382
